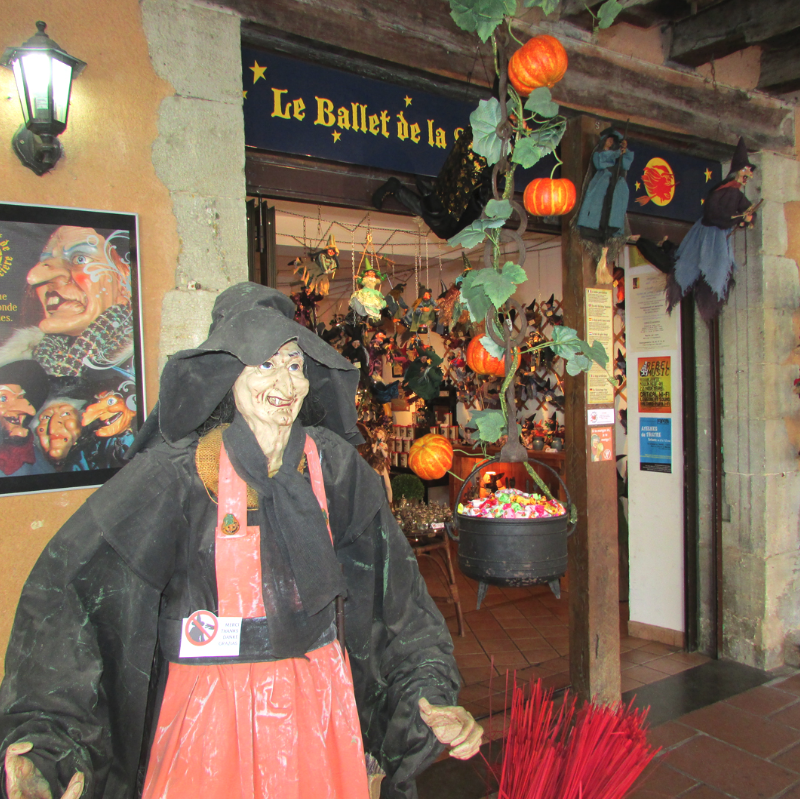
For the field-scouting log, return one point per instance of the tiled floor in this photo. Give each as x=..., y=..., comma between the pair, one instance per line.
x=526, y=630
x=721, y=738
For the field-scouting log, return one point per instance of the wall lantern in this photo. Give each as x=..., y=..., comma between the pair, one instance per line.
x=44, y=73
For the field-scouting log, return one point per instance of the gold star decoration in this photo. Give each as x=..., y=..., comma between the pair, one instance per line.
x=638, y=185
x=244, y=93
x=258, y=71
x=408, y=101
x=707, y=173
x=337, y=134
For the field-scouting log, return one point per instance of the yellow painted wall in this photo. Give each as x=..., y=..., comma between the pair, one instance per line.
x=106, y=165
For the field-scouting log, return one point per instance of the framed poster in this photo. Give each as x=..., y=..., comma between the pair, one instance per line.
x=71, y=376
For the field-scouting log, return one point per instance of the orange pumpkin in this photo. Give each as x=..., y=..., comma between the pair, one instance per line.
x=481, y=362
x=549, y=197
x=431, y=456
x=541, y=61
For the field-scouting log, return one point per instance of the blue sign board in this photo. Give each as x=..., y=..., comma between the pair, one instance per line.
x=655, y=445
x=291, y=106
x=669, y=184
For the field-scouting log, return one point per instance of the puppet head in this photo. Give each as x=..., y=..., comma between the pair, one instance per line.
x=740, y=163
x=23, y=388
x=114, y=410
x=58, y=426
x=250, y=324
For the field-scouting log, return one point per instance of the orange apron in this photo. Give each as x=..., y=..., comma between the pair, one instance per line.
x=285, y=729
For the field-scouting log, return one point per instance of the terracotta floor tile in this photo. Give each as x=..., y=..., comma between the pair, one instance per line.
x=789, y=759
x=662, y=779
x=762, y=701
x=523, y=635
x=512, y=623
x=469, y=645
x=556, y=665
x=490, y=632
x=794, y=793
x=637, y=656
x=506, y=612
x=541, y=655
x=631, y=642
x=729, y=769
x=482, y=624
x=705, y=792
x=472, y=661
x=692, y=658
x=792, y=685
x=752, y=733
x=789, y=716
x=510, y=660
x=470, y=676
x=628, y=683
x=665, y=736
x=473, y=693
x=668, y=665
x=658, y=649
x=556, y=681
x=491, y=645
x=644, y=674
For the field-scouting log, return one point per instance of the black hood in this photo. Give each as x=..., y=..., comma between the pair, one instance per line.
x=249, y=324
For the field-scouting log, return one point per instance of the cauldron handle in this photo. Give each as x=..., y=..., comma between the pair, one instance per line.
x=496, y=459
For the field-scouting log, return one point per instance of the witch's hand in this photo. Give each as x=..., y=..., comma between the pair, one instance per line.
x=25, y=781
x=453, y=726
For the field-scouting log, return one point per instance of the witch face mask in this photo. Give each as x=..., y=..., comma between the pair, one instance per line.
x=270, y=395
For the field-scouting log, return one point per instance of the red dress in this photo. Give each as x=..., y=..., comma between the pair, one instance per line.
x=285, y=728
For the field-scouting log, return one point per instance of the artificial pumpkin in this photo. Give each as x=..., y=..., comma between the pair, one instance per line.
x=431, y=456
x=549, y=196
x=481, y=362
x=541, y=61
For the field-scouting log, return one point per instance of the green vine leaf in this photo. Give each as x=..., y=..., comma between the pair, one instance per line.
x=540, y=102
x=578, y=363
x=551, y=135
x=607, y=13
x=499, y=209
x=527, y=152
x=474, y=296
x=484, y=120
x=490, y=424
x=475, y=233
x=492, y=347
x=548, y=6
x=597, y=352
x=499, y=286
x=566, y=343
x=481, y=16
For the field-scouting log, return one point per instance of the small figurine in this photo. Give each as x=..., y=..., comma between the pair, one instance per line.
x=423, y=311
x=318, y=273
x=396, y=306
x=368, y=301
x=423, y=376
x=704, y=262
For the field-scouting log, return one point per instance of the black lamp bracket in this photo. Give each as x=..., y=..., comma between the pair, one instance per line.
x=38, y=153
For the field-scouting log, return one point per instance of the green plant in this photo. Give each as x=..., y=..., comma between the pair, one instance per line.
x=407, y=486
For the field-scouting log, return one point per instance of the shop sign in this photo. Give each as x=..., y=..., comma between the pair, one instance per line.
x=669, y=184
x=291, y=106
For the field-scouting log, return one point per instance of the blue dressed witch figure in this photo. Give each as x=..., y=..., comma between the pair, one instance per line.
x=704, y=262
x=601, y=219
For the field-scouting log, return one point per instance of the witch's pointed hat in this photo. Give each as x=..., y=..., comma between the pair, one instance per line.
x=740, y=159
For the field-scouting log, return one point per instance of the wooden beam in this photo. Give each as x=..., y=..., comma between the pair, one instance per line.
x=594, y=634
x=421, y=36
x=780, y=67
x=573, y=8
x=730, y=26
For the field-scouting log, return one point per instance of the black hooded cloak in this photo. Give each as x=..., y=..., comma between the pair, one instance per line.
x=95, y=624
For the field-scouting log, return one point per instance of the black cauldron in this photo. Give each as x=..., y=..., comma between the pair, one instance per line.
x=512, y=552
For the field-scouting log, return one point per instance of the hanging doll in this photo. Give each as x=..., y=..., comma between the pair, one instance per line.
x=423, y=311
x=396, y=306
x=601, y=219
x=423, y=376
x=321, y=269
x=704, y=262
x=368, y=301
x=550, y=312
x=306, y=300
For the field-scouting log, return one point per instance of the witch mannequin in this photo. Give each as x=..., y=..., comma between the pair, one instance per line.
x=179, y=637
x=704, y=262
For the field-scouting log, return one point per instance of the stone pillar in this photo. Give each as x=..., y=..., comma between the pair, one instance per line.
x=761, y=545
x=199, y=155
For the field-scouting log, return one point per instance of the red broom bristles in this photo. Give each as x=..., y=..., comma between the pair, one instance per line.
x=596, y=753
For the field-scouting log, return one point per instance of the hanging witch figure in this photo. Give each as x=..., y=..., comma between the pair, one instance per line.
x=318, y=273
x=601, y=219
x=423, y=311
x=704, y=262
x=368, y=301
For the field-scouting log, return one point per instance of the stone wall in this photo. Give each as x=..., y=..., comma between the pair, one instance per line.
x=199, y=155
x=761, y=534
